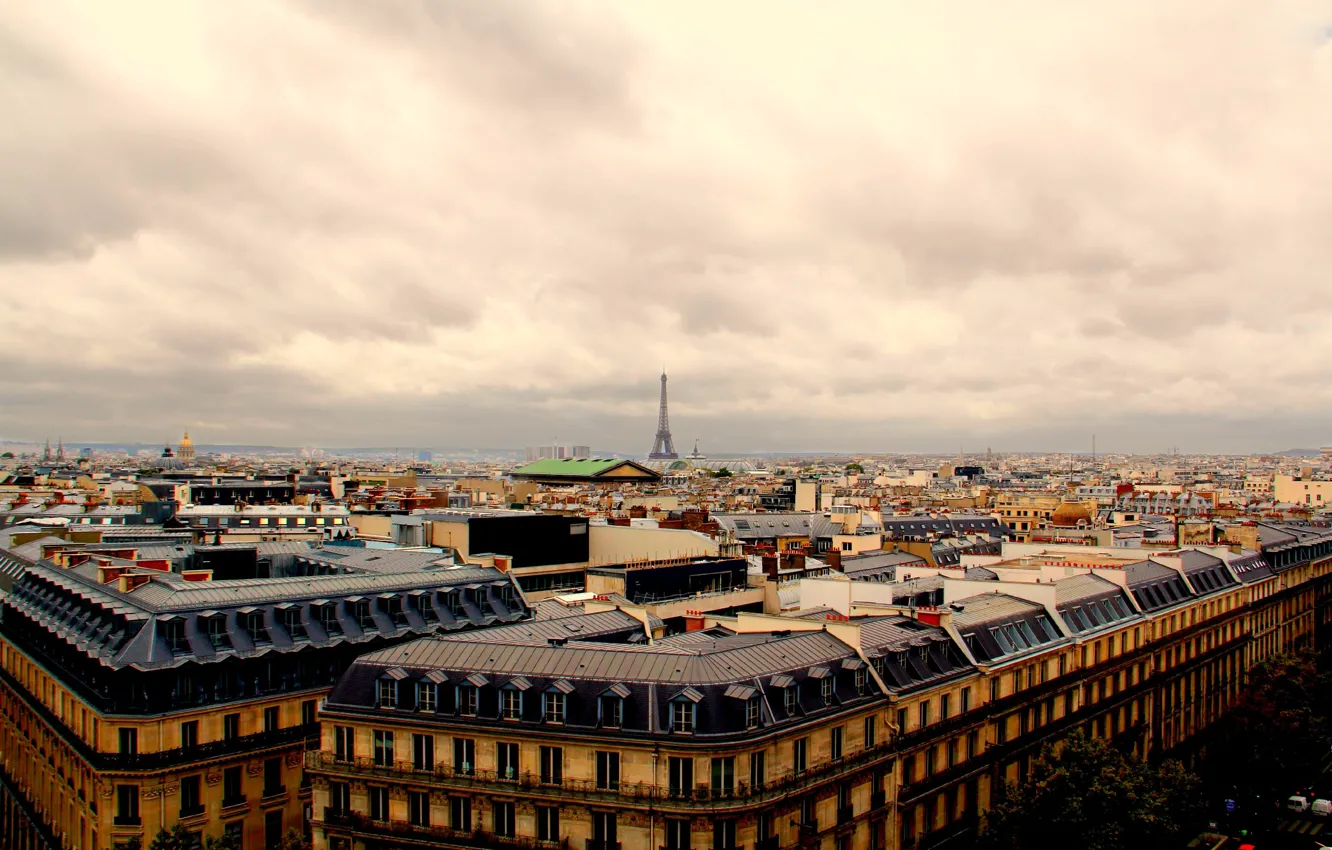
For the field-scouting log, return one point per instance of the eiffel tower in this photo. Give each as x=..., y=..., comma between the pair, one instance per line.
x=663, y=448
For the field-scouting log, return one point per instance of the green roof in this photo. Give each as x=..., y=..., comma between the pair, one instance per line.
x=571, y=466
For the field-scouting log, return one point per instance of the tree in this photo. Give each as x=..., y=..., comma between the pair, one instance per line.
x=225, y=841
x=855, y=467
x=1278, y=731
x=293, y=840
x=179, y=838
x=1087, y=794
x=722, y=473
x=7, y=454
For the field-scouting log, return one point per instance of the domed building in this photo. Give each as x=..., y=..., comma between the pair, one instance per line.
x=185, y=450
x=1072, y=515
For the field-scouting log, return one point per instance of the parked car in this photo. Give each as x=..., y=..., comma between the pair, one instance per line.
x=1297, y=803
x=1321, y=807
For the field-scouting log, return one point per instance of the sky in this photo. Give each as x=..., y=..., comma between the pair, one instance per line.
x=841, y=226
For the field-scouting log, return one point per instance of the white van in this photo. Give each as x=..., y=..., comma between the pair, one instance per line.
x=1321, y=807
x=1297, y=803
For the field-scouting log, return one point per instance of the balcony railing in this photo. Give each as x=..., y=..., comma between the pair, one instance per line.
x=628, y=792
x=845, y=814
x=772, y=842
x=404, y=831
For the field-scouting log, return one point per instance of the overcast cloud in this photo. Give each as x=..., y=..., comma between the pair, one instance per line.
x=841, y=225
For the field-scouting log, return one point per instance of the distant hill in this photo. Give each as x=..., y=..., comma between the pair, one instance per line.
x=1299, y=453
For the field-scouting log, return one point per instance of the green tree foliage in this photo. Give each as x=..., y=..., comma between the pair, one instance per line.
x=178, y=838
x=1089, y=795
x=293, y=840
x=722, y=473
x=7, y=454
x=225, y=841
x=1278, y=730
x=855, y=467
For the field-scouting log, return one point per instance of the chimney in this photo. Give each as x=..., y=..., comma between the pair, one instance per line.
x=770, y=566
x=835, y=559
x=503, y=562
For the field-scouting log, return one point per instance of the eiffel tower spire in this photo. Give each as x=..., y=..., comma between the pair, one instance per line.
x=663, y=447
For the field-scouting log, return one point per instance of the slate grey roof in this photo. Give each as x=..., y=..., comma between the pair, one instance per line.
x=909, y=654
x=765, y=526
x=1088, y=603
x=647, y=678
x=1155, y=586
x=997, y=627
x=878, y=565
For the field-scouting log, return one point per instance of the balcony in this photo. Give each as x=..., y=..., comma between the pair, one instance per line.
x=272, y=793
x=127, y=820
x=233, y=802
x=661, y=796
x=406, y=833
x=191, y=811
x=770, y=843
x=845, y=814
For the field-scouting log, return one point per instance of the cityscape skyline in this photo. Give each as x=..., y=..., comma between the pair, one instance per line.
x=871, y=229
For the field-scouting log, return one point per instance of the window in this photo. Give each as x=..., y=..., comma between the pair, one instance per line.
x=503, y=819
x=929, y=761
x=966, y=700
x=994, y=689
x=254, y=625
x=388, y=693
x=548, y=823
x=231, y=787
x=129, y=741
x=423, y=752
x=460, y=813
x=506, y=761
x=231, y=727
x=552, y=765
x=925, y=713
x=752, y=712
x=379, y=803
x=553, y=705
x=945, y=705
x=871, y=731
x=608, y=770
x=901, y=721
x=344, y=743
x=791, y=700
x=191, y=802
x=838, y=739
x=273, y=777
x=677, y=834
x=862, y=681
x=464, y=756
x=383, y=747
x=272, y=720
x=682, y=716
x=328, y=619
x=291, y=621
x=467, y=700
x=511, y=704
x=418, y=808
x=612, y=712
x=826, y=689
x=308, y=716
x=723, y=776
x=799, y=755
x=723, y=834
x=426, y=693
x=680, y=775
x=235, y=830
x=603, y=830
x=273, y=824
x=758, y=769
x=189, y=734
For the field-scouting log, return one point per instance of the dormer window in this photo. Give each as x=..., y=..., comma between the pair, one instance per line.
x=421, y=602
x=392, y=605
x=426, y=696
x=467, y=700
x=511, y=699
x=252, y=620
x=862, y=681
x=791, y=699
x=328, y=617
x=453, y=599
x=290, y=616
x=826, y=689
x=611, y=706
x=173, y=629
x=505, y=593
x=684, y=711
x=215, y=625
x=388, y=693
x=364, y=618
x=553, y=707
x=753, y=711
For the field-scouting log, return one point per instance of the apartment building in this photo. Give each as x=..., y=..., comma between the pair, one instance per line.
x=134, y=696
x=860, y=724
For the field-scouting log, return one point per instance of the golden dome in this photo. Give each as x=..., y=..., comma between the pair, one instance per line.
x=1070, y=514
x=185, y=441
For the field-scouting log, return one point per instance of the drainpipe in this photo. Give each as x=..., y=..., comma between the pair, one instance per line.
x=652, y=818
